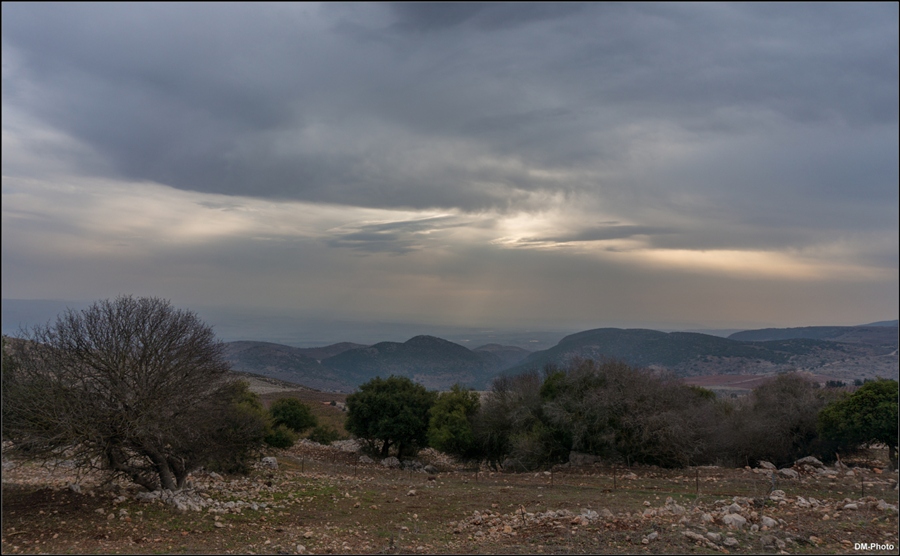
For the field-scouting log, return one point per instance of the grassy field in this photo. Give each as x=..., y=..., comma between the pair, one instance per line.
x=322, y=500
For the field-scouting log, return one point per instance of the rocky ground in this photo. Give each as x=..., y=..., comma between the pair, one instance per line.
x=315, y=499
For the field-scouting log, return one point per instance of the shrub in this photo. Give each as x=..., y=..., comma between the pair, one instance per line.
x=281, y=437
x=293, y=414
x=392, y=412
x=324, y=435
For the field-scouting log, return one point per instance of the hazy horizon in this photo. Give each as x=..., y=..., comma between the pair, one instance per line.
x=234, y=324
x=456, y=166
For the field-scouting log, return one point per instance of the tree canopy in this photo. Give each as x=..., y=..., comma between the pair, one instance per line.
x=867, y=415
x=293, y=414
x=450, y=427
x=392, y=411
x=131, y=385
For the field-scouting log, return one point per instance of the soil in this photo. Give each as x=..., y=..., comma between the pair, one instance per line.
x=324, y=500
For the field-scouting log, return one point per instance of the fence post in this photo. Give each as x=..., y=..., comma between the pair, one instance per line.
x=698, y=482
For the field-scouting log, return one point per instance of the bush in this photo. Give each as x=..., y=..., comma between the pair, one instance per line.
x=450, y=426
x=131, y=383
x=868, y=415
x=324, y=435
x=293, y=414
x=776, y=422
x=281, y=437
x=392, y=412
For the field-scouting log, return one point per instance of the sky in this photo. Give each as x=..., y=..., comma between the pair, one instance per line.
x=564, y=165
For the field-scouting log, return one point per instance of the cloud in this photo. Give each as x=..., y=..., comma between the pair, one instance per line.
x=448, y=149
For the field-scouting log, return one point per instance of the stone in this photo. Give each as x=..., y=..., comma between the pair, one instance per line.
x=789, y=473
x=767, y=521
x=694, y=536
x=364, y=459
x=218, y=524
x=851, y=506
x=269, y=462
x=430, y=469
x=809, y=460
x=777, y=495
x=589, y=514
x=576, y=458
x=731, y=542
x=767, y=465
x=734, y=521
x=714, y=537
x=653, y=536
x=391, y=462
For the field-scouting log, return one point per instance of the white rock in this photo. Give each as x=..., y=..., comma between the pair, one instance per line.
x=270, y=462
x=735, y=521
x=789, y=473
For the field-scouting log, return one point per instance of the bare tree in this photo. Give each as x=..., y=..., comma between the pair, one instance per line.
x=132, y=386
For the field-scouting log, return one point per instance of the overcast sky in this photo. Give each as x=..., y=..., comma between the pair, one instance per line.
x=574, y=165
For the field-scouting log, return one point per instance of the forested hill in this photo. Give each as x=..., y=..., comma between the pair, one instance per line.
x=689, y=354
x=882, y=334
x=433, y=362
x=848, y=353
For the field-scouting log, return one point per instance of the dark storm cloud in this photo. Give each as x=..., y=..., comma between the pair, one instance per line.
x=762, y=115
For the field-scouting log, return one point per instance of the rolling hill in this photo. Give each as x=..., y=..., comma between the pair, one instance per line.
x=431, y=361
x=874, y=334
x=693, y=354
x=434, y=362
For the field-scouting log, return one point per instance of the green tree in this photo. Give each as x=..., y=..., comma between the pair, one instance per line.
x=293, y=414
x=244, y=427
x=131, y=385
x=867, y=415
x=450, y=427
x=393, y=412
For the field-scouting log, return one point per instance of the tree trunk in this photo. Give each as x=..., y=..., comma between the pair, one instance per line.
x=166, y=477
x=892, y=455
x=385, y=449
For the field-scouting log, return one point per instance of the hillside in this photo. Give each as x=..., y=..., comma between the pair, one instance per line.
x=509, y=355
x=284, y=363
x=434, y=362
x=880, y=335
x=431, y=361
x=692, y=354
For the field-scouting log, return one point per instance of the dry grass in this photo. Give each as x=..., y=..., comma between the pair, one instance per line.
x=325, y=500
